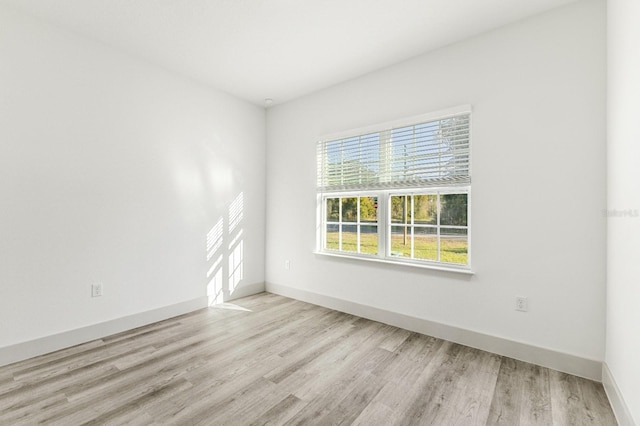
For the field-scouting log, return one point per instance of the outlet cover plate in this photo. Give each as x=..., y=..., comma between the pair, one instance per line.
x=96, y=290
x=522, y=304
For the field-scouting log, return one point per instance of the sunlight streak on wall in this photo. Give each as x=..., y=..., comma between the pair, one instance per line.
x=215, y=286
x=236, y=212
x=236, y=266
x=214, y=239
x=236, y=238
x=224, y=282
x=236, y=248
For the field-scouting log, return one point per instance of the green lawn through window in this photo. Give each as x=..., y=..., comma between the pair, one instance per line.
x=452, y=249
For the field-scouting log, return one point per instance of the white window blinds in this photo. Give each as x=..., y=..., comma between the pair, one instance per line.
x=425, y=154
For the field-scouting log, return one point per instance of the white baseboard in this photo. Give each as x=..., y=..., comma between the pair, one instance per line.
x=44, y=345
x=619, y=406
x=572, y=364
x=24, y=350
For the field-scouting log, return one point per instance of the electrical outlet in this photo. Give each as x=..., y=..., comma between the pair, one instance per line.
x=522, y=304
x=287, y=264
x=96, y=290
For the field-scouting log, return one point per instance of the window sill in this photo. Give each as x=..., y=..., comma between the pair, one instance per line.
x=442, y=268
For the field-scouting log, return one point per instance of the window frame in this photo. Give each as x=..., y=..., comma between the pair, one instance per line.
x=384, y=227
x=384, y=193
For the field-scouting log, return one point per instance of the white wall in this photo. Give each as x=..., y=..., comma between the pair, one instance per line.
x=623, y=245
x=113, y=170
x=538, y=94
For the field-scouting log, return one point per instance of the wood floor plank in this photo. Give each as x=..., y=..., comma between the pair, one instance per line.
x=110, y=406
x=376, y=413
x=193, y=406
x=314, y=378
x=25, y=414
x=596, y=404
x=359, y=396
x=36, y=362
x=29, y=394
x=270, y=360
x=243, y=407
x=130, y=408
x=521, y=395
x=326, y=407
x=395, y=339
x=474, y=388
x=432, y=391
x=536, y=397
x=95, y=356
x=280, y=413
x=573, y=401
x=506, y=404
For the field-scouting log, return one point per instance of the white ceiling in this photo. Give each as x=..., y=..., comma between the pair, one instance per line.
x=280, y=49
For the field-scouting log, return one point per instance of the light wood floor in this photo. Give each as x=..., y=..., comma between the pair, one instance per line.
x=271, y=360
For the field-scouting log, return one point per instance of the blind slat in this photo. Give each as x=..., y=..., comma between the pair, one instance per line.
x=433, y=153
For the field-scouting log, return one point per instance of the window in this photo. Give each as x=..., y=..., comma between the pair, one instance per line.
x=398, y=192
x=352, y=224
x=430, y=226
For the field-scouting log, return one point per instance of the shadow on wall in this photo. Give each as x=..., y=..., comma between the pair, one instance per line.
x=225, y=253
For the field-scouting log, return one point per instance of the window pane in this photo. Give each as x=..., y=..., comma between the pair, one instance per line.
x=350, y=209
x=453, y=209
x=401, y=209
x=425, y=208
x=368, y=210
x=454, y=246
x=425, y=243
x=332, y=241
x=349, y=238
x=369, y=239
x=401, y=241
x=333, y=212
